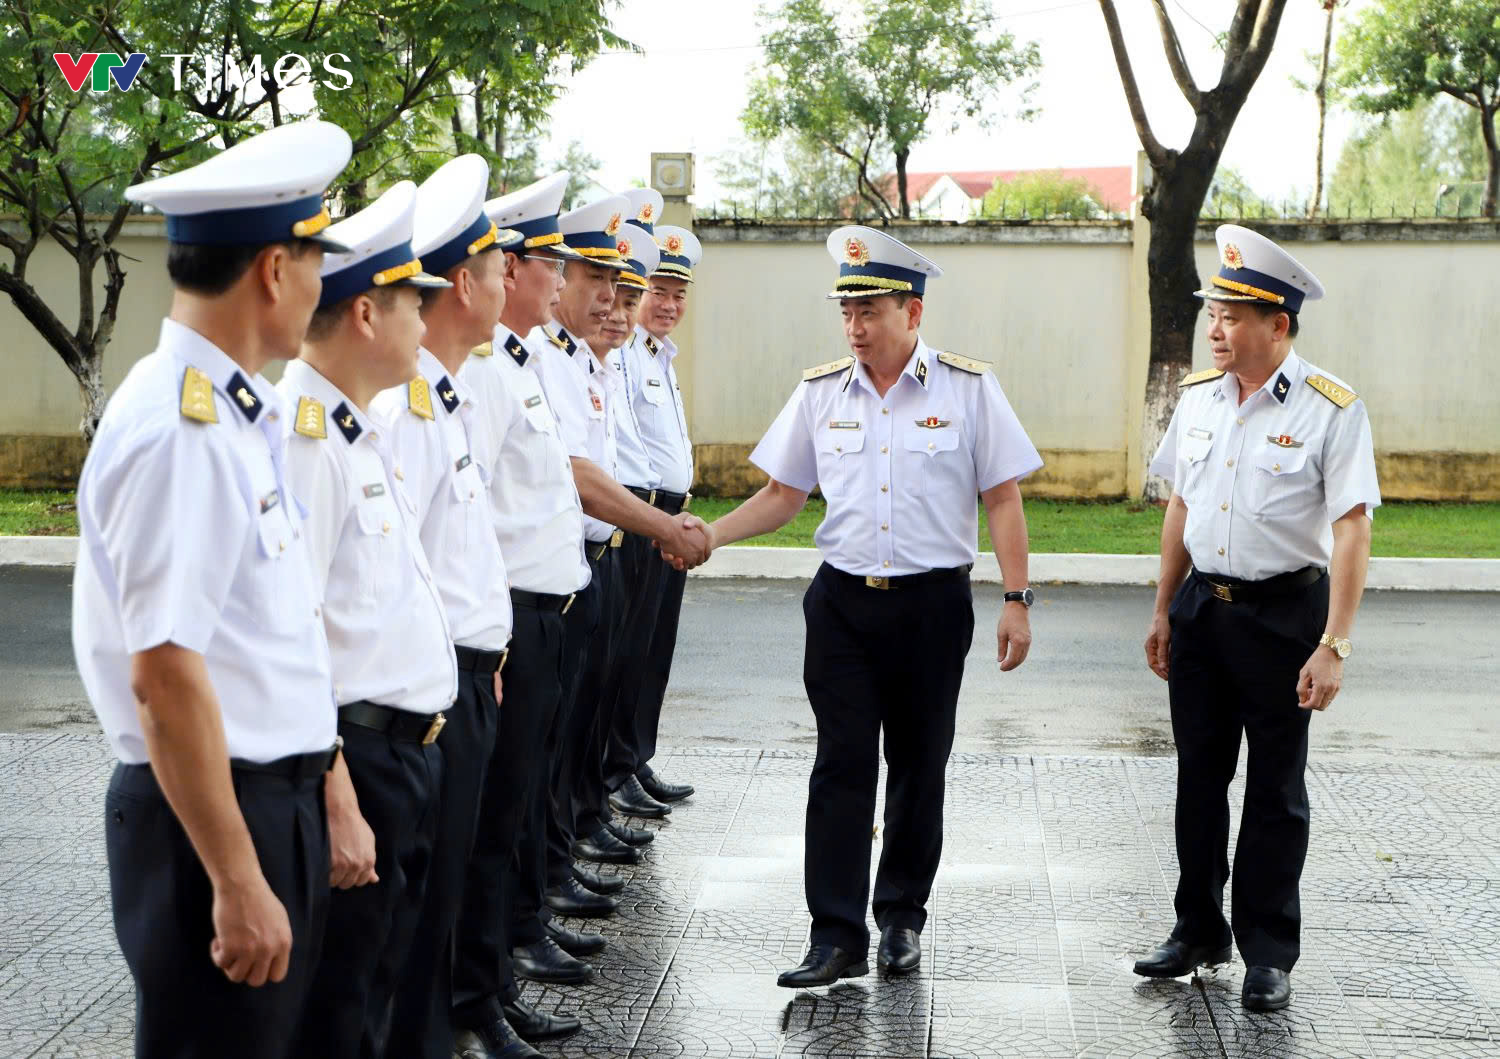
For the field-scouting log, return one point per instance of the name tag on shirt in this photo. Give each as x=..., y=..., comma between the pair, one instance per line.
x=1199, y=432
x=598, y=404
x=532, y=402
x=462, y=462
x=373, y=490
x=269, y=501
x=843, y=424
x=653, y=382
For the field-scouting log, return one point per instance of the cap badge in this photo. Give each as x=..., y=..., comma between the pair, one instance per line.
x=623, y=246
x=613, y=227
x=856, y=252
x=672, y=244
x=647, y=212
x=1232, y=256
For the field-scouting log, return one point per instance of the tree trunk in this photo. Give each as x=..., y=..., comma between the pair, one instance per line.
x=1322, y=93
x=901, y=157
x=1172, y=205
x=1492, y=152
x=91, y=388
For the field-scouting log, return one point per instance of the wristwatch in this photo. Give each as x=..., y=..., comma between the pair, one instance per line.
x=1340, y=645
x=1026, y=597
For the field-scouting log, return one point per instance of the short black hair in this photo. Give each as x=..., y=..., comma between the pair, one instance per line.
x=210, y=270
x=1268, y=311
x=325, y=319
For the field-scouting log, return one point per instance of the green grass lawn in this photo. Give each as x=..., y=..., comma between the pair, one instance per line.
x=1120, y=527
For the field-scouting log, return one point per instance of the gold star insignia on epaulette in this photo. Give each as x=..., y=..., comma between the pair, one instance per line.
x=1199, y=376
x=833, y=367
x=419, y=397
x=198, y=397
x=481, y=351
x=1339, y=395
x=968, y=364
x=310, y=421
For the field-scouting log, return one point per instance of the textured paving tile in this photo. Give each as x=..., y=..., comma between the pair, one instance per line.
x=1057, y=873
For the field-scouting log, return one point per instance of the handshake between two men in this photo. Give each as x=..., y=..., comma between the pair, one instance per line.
x=690, y=545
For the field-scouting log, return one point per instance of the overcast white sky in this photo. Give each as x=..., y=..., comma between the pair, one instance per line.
x=686, y=92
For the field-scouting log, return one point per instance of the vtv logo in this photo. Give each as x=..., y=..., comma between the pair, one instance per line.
x=105, y=66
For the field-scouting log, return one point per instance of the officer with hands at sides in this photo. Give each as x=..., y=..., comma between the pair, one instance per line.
x=901, y=438
x=1264, y=551
x=195, y=626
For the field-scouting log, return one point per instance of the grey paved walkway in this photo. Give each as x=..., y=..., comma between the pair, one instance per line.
x=1057, y=870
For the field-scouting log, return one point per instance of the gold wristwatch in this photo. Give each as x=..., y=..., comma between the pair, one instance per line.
x=1340, y=645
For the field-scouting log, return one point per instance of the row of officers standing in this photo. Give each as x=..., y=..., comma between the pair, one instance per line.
x=381, y=649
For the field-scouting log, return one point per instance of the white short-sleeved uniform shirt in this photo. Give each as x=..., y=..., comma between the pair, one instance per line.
x=652, y=383
x=387, y=630
x=189, y=534
x=1264, y=480
x=901, y=473
x=635, y=458
x=533, y=501
x=443, y=465
x=578, y=391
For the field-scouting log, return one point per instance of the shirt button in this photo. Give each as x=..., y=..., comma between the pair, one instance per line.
x=399, y=476
x=385, y=527
x=885, y=412
x=838, y=448
x=281, y=545
x=1224, y=506
x=471, y=494
x=374, y=436
x=317, y=612
x=885, y=526
x=886, y=563
x=931, y=445
x=1221, y=551
x=885, y=488
x=1240, y=420
x=1275, y=466
x=1228, y=463
x=884, y=448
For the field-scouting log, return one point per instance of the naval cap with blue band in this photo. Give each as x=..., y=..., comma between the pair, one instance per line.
x=1254, y=269
x=380, y=254
x=872, y=263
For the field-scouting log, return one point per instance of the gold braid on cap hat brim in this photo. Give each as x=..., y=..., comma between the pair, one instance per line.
x=859, y=282
x=1245, y=288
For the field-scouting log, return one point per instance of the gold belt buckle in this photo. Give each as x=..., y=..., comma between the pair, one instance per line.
x=617, y=538
x=569, y=604
x=1223, y=592
x=878, y=582
x=504, y=657
x=687, y=501
x=652, y=501
x=434, y=729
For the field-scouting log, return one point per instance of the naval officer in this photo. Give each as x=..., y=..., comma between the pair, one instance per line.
x=901, y=438
x=1273, y=484
x=195, y=625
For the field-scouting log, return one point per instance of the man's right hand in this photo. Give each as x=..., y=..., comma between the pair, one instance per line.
x=351, y=843
x=1159, y=645
x=252, y=936
x=689, y=543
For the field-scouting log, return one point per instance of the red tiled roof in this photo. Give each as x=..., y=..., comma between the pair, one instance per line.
x=1114, y=184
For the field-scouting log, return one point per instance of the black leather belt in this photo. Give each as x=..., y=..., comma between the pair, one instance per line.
x=296, y=767
x=671, y=503
x=648, y=495
x=404, y=725
x=950, y=573
x=595, y=549
x=485, y=663
x=541, y=600
x=1233, y=590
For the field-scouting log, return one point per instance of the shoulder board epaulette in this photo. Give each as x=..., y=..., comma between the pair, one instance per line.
x=1199, y=376
x=833, y=367
x=481, y=351
x=310, y=421
x=419, y=397
x=968, y=364
x=1339, y=395
x=198, y=397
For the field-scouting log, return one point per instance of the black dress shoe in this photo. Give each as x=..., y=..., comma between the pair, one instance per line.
x=662, y=790
x=572, y=899
x=1175, y=958
x=631, y=836
x=600, y=884
x=533, y=1025
x=543, y=961
x=824, y=965
x=604, y=847
x=574, y=942
x=495, y=1041
x=900, y=952
x=632, y=800
x=1266, y=989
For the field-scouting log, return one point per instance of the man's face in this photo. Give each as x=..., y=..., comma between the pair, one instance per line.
x=663, y=305
x=1239, y=335
x=878, y=327
x=587, y=298
x=622, y=317
x=397, y=321
x=537, y=282
x=486, y=295
x=298, y=286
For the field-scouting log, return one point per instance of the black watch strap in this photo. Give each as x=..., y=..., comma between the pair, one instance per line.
x=1025, y=596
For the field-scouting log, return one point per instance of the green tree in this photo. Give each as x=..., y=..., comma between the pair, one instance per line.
x=788, y=177
x=1403, y=162
x=883, y=80
x=1402, y=51
x=215, y=73
x=1230, y=195
x=1043, y=194
x=1180, y=181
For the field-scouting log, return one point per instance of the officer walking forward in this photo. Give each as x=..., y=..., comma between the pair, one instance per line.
x=901, y=438
x=195, y=626
x=1273, y=474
